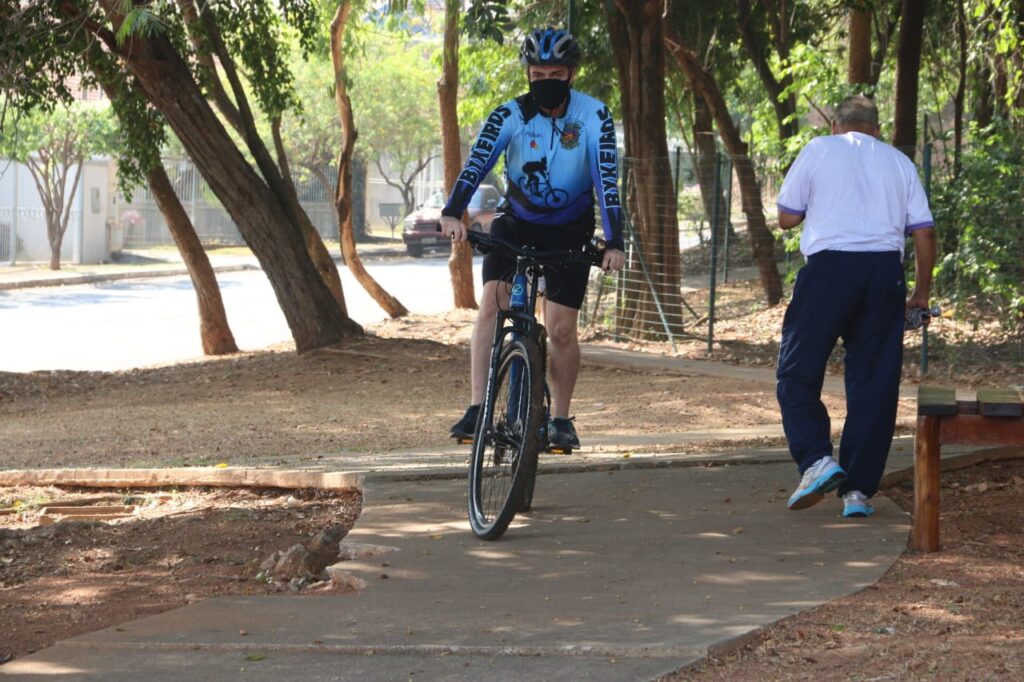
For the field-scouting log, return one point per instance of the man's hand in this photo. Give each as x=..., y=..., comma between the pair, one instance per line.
x=613, y=260
x=453, y=227
x=919, y=300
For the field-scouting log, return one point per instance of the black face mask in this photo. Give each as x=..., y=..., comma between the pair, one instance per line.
x=549, y=92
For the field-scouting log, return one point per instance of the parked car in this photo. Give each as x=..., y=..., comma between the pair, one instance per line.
x=420, y=228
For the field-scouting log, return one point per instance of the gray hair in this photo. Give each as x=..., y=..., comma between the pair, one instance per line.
x=857, y=110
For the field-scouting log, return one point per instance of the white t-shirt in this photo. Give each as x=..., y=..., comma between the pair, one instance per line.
x=856, y=192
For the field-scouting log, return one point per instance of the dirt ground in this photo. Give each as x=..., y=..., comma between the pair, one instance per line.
x=382, y=394
x=73, y=577
x=399, y=391
x=957, y=614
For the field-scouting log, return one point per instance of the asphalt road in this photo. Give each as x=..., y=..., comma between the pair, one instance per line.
x=138, y=323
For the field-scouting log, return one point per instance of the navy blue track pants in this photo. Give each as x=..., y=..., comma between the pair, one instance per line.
x=859, y=298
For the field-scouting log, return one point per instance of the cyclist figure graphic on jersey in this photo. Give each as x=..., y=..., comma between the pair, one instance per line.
x=536, y=182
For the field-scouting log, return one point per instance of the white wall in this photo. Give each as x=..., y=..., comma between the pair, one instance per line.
x=21, y=210
x=95, y=203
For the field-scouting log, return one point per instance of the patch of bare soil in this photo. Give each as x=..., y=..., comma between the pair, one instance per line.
x=73, y=577
x=957, y=614
x=379, y=395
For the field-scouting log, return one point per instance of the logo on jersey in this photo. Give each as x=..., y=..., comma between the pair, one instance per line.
x=533, y=144
x=536, y=183
x=571, y=134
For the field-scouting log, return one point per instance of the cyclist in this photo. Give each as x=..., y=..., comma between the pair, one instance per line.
x=559, y=147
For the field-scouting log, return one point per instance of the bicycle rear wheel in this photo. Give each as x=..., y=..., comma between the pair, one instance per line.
x=505, y=444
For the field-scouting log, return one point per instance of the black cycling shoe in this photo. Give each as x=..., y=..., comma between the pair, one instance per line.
x=562, y=435
x=465, y=428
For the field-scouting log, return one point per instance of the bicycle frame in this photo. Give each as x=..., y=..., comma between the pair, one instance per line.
x=522, y=313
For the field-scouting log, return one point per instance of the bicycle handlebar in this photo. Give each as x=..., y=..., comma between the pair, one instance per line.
x=592, y=253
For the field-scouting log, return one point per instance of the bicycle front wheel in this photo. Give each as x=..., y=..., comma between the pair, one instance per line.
x=506, y=440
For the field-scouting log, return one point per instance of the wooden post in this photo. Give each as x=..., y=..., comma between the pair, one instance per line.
x=925, y=531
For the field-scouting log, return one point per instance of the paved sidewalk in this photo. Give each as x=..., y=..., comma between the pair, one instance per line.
x=145, y=264
x=615, y=575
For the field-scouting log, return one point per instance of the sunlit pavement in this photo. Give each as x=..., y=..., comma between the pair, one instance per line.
x=137, y=323
x=613, y=576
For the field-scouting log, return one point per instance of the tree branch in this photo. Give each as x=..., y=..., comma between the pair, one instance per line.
x=205, y=58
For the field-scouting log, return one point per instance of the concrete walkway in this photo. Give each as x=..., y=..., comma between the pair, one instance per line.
x=615, y=575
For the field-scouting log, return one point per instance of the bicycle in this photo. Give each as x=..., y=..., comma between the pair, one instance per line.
x=553, y=197
x=512, y=427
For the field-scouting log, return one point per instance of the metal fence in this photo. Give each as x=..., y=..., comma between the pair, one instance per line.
x=143, y=224
x=692, y=282
x=686, y=231
x=23, y=233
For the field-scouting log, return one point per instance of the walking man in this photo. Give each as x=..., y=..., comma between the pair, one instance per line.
x=858, y=198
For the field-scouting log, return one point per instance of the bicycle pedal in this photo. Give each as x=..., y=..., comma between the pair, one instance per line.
x=560, y=451
x=463, y=441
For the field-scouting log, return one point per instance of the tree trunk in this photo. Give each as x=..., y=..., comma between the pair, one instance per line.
x=460, y=263
x=214, y=331
x=50, y=185
x=756, y=45
x=343, y=190
x=704, y=165
x=213, y=321
x=56, y=242
x=883, y=40
x=278, y=179
x=359, y=173
x=859, y=65
x=961, y=88
x=982, y=95
x=314, y=243
x=312, y=312
x=908, y=66
x=638, y=43
x=761, y=239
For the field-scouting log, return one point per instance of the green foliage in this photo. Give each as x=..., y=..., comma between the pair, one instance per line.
x=35, y=66
x=488, y=19
x=489, y=74
x=394, y=100
x=69, y=135
x=143, y=21
x=254, y=34
x=980, y=217
x=312, y=136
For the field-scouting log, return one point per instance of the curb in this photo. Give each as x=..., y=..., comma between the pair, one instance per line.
x=92, y=279
x=456, y=473
x=198, y=476
x=954, y=462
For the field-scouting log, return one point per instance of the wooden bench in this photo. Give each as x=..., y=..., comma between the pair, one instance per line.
x=996, y=417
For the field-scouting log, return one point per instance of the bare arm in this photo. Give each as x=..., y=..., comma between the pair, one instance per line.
x=924, y=263
x=787, y=221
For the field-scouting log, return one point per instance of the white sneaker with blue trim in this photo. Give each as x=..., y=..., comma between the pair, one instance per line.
x=821, y=477
x=856, y=505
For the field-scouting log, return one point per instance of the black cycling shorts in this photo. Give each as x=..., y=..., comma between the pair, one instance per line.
x=564, y=284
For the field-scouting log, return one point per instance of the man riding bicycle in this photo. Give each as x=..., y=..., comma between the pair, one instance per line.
x=571, y=136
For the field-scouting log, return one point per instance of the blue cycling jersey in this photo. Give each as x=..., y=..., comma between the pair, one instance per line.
x=552, y=165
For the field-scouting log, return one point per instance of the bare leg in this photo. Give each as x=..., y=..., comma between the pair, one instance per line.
x=483, y=336
x=565, y=355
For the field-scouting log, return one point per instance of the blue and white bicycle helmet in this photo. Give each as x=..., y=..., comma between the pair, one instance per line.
x=549, y=47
